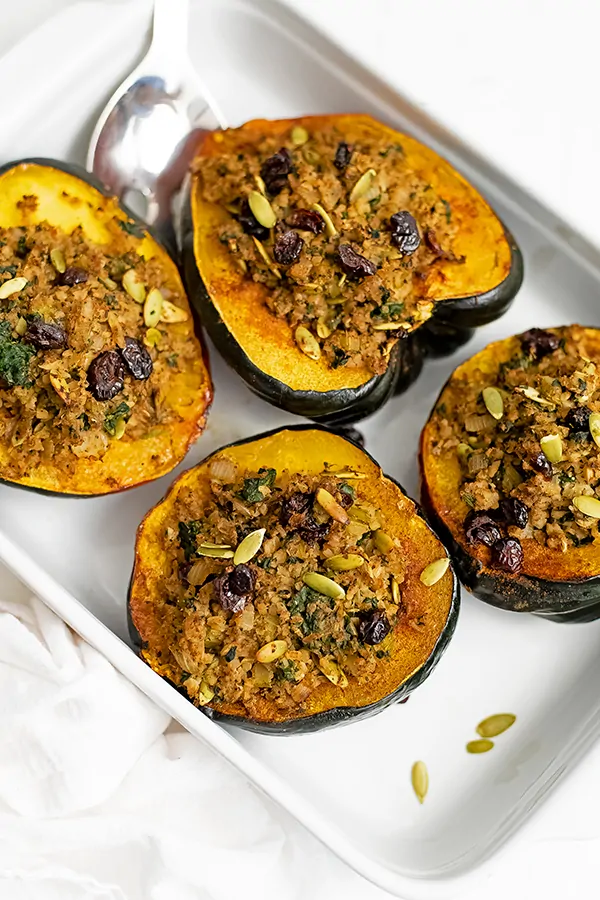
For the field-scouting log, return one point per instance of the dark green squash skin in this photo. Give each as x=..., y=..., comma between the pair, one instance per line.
x=340, y=715
x=449, y=327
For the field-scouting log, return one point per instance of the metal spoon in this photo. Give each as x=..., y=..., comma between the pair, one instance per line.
x=145, y=138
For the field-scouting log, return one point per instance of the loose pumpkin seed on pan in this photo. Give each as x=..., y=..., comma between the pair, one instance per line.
x=482, y=746
x=419, y=777
x=495, y=725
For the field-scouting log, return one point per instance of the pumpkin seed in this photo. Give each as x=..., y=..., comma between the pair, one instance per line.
x=215, y=552
x=216, y=546
x=348, y=473
x=436, y=570
x=551, y=444
x=589, y=506
x=383, y=541
x=307, y=342
x=311, y=156
x=363, y=184
x=205, y=694
x=120, y=427
x=532, y=394
x=271, y=265
x=262, y=209
x=152, y=337
x=330, y=228
x=479, y=746
x=171, y=313
x=332, y=672
x=271, y=651
x=242, y=265
x=153, y=308
x=419, y=777
x=463, y=451
x=323, y=329
x=260, y=184
x=493, y=401
x=57, y=258
x=396, y=592
x=299, y=135
x=21, y=326
x=108, y=283
x=61, y=387
x=388, y=326
x=342, y=280
x=249, y=547
x=594, y=426
x=331, y=506
x=341, y=563
x=323, y=585
x=12, y=286
x=495, y=725
x=134, y=287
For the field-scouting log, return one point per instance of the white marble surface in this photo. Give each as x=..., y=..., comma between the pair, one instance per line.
x=520, y=86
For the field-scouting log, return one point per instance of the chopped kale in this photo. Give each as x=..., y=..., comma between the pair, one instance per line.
x=188, y=532
x=286, y=670
x=264, y=562
x=347, y=489
x=9, y=270
x=85, y=422
x=131, y=228
x=112, y=419
x=172, y=360
x=251, y=491
x=469, y=499
x=14, y=358
x=230, y=655
x=22, y=248
x=340, y=358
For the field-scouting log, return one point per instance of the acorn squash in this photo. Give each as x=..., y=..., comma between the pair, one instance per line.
x=510, y=468
x=104, y=384
x=381, y=251
x=342, y=605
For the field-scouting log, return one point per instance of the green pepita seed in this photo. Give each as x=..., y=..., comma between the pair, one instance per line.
x=495, y=725
x=171, y=313
x=262, y=251
x=589, y=506
x=271, y=651
x=551, y=444
x=262, y=209
x=324, y=585
x=307, y=342
x=299, y=135
x=396, y=592
x=493, y=402
x=348, y=473
x=463, y=452
x=383, y=541
x=153, y=337
x=363, y=184
x=479, y=746
x=12, y=286
x=249, y=547
x=594, y=426
x=323, y=329
x=21, y=326
x=432, y=573
x=331, y=506
x=57, y=258
x=120, y=427
x=311, y=156
x=153, y=308
x=108, y=283
x=532, y=394
x=341, y=563
x=419, y=777
x=332, y=672
x=215, y=552
x=260, y=184
x=205, y=694
x=242, y=264
x=134, y=287
x=330, y=228
x=388, y=326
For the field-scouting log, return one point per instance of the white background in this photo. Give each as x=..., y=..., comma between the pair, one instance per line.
x=520, y=82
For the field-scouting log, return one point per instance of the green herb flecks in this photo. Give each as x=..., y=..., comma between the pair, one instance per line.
x=131, y=227
x=112, y=419
x=251, y=492
x=14, y=358
x=188, y=534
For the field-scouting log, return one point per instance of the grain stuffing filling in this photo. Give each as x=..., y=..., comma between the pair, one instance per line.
x=87, y=344
x=527, y=437
x=279, y=582
x=341, y=234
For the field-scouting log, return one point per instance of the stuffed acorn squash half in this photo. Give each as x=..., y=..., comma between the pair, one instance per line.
x=510, y=464
x=103, y=383
x=327, y=255
x=286, y=585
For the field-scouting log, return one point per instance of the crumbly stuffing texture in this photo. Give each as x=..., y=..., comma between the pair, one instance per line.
x=215, y=626
x=354, y=309
x=549, y=388
x=53, y=332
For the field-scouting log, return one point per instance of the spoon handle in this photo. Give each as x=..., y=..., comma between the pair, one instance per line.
x=170, y=32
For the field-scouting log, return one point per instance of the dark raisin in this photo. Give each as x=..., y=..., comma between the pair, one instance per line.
x=577, y=418
x=313, y=533
x=507, y=554
x=513, y=512
x=45, y=336
x=353, y=264
x=405, y=233
x=71, y=276
x=537, y=343
x=226, y=597
x=306, y=220
x=287, y=248
x=373, y=626
x=435, y=246
x=106, y=375
x=481, y=528
x=296, y=505
x=350, y=433
x=345, y=500
x=343, y=155
x=230, y=655
x=137, y=359
x=275, y=170
x=251, y=225
x=541, y=464
x=242, y=580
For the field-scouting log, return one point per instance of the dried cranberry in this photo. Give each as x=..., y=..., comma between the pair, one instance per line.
x=433, y=243
x=353, y=264
x=541, y=464
x=297, y=504
x=481, y=528
x=242, y=580
x=250, y=224
x=507, y=554
x=351, y=434
x=233, y=588
x=137, y=359
x=578, y=418
x=513, y=512
x=71, y=276
x=45, y=336
x=306, y=220
x=405, y=233
x=313, y=533
x=106, y=375
x=373, y=625
x=287, y=248
x=275, y=170
x=345, y=500
x=537, y=343
x=343, y=155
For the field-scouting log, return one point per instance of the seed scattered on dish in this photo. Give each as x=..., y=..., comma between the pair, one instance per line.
x=420, y=780
x=436, y=570
x=271, y=651
x=493, y=401
x=134, y=287
x=216, y=552
x=364, y=184
x=299, y=135
x=383, y=541
x=332, y=672
x=480, y=746
x=589, y=506
x=262, y=209
x=495, y=725
x=331, y=506
x=323, y=585
x=307, y=342
x=57, y=258
x=330, y=228
x=12, y=286
x=551, y=444
x=341, y=563
x=153, y=307
x=171, y=313
x=249, y=547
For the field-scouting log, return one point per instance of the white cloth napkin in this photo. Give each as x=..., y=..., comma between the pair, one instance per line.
x=102, y=797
